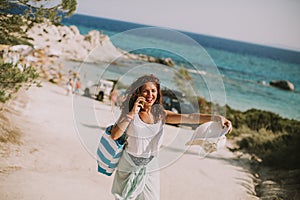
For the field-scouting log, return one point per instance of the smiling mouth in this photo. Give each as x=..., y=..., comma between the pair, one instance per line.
x=149, y=100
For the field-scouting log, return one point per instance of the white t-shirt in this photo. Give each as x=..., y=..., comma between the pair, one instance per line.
x=144, y=140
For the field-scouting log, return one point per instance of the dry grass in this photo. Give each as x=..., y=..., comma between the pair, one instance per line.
x=8, y=133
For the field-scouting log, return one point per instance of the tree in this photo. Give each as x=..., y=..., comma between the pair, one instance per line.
x=13, y=77
x=53, y=10
x=13, y=27
x=37, y=10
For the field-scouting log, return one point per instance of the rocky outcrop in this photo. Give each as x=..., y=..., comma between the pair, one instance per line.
x=52, y=44
x=283, y=84
x=67, y=43
x=165, y=61
x=48, y=67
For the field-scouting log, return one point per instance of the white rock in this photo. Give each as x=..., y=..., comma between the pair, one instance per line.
x=93, y=47
x=75, y=30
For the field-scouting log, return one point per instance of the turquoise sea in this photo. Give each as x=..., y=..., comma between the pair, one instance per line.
x=244, y=70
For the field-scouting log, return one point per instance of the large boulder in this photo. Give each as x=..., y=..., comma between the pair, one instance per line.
x=283, y=84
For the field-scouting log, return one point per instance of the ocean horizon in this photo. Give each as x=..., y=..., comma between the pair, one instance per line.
x=236, y=46
x=246, y=68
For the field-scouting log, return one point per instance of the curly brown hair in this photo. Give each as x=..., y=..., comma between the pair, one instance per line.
x=135, y=90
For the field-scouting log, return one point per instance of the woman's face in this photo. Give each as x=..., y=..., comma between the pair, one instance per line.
x=149, y=92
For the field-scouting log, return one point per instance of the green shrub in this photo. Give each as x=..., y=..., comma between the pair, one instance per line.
x=276, y=140
x=12, y=78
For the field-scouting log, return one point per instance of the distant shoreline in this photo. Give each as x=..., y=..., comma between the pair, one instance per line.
x=78, y=65
x=277, y=53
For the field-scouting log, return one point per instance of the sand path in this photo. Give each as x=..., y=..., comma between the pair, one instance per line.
x=56, y=157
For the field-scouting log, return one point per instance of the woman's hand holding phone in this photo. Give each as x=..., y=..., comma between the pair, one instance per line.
x=138, y=105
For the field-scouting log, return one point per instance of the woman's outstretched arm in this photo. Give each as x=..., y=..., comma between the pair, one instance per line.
x=195, y=118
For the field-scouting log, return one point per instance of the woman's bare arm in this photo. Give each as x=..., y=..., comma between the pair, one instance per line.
x=125, y=119
x=195, y=118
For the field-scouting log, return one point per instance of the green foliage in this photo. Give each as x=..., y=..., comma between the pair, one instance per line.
x=274, y=139
x=69, y=6
x=12, y=31
x=4, y=4
x=38, y=10
x=13, y=27
x=183, y=81
x=13, y=77
x=276, y=150
x=203, y=105
x=258, y=119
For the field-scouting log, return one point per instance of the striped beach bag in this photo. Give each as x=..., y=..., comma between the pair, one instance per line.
x=109, y=152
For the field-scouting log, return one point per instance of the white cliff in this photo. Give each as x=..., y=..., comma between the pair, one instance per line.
x=67, y=43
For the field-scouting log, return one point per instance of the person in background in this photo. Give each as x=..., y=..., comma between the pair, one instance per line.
x=77, y=87
x=69, y=86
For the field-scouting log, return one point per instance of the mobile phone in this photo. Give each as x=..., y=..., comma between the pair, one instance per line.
x=142, y=102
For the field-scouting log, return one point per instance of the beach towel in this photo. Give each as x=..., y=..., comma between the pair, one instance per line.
x=109, y=152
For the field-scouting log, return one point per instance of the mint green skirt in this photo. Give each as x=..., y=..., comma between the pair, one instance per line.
x=132, y=182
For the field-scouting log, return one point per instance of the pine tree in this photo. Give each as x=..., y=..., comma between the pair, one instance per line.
x=37, y=10
x=13, y=29
x=13, y=77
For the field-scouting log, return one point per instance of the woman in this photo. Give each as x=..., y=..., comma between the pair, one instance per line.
x=69, y=86
x=143, y=118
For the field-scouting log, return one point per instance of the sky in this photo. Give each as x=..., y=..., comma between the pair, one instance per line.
x=267, y=22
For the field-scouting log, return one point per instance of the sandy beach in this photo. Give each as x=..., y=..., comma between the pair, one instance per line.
x=55, y=157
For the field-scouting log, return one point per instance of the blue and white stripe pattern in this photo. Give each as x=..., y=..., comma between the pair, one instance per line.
x=109, y=152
